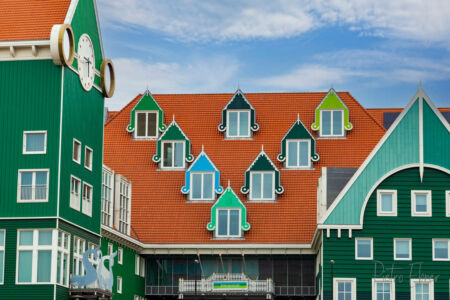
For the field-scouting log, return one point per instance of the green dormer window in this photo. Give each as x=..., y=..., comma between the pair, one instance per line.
x=332, y=116
x=238, y=123
x=146, y=124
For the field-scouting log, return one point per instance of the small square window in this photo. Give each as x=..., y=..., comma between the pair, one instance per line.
x=421, y=203
x=76, y=155
x=202, y=186
x=228, y=223
x=422, y=289
x=173, y=154
x=332, y=124
x=386, y=202
x=88, y=153
x=440, y=249
x=402, y=249
x=120, y=255
x=363, y=248
x=238, y=124
x=298, y=153
x=34, y=142
x=119, y=285
x=262, y=185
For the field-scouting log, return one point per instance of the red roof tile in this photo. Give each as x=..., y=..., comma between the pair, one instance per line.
x=160, y=213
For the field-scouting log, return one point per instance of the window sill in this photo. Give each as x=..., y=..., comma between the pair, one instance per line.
x=145, y=138
x=32, y=201
x=201, y=201
x=298, y=169
x=331, y=137
x=171, y=169
x=34, y=153
x=228, y=238
x=237, y=138
x=262, y=201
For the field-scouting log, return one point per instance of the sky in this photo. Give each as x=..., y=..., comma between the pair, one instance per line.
x=379, y=50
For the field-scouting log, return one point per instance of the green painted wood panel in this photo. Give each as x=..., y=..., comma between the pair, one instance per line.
x=30, y=96
x=436, y=140
x=384, y=229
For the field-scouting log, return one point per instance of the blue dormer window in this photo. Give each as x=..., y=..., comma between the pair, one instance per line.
x=202, y=186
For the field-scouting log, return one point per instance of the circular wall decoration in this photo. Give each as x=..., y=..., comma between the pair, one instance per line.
x=107, y=78
x=62, y=45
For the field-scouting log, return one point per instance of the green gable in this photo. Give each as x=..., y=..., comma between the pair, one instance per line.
x=238, y=102
x=147, y=103
x=173, y=133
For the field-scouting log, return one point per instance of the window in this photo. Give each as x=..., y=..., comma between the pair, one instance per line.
x=137, y=264
x=262, y=186
x=447, y=200
x=110, y=248
x=119, y=285
x=422, y=289
x=383, y=289
x=33, y=186
x=363, y=248
x=332, y=123
x=34, y=142
x=440, y=249
x=173, y=154
x=421, y=203
x=88, y=158
x=228, y=223
x=124, y=206
x=107, y=206
x=2, y=255
x=75, y=195
x=79, y=247
x=62, y=262
x=298, y=153
x=238, y=123
x=120, y=255
x=202, y=186
x=93, y=261
x=76, y=155
x=142, y=269
x=402, y=249
x=344, y=288
x=87, y=199
x=386, y=202
x=146, y=124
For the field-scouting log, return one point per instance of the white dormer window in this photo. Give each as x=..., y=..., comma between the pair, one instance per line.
x=332, y=123
x=173, y=154
x=238, y=123
x=146, y=124
x=228, y=222
x=298, y=154
x=262, y=186
x=202, y=186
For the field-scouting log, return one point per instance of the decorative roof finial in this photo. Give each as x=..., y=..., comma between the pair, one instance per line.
x=203, y=148
x=229, y=186
x=298, y=118
x=239, y=86
x=173, y=118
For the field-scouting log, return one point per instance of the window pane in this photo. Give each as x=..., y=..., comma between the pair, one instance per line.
x=364, y=248
x=45, y=238
x=88, y=158
x=268, y=186
x=234, y=222
x=2, y=261
x=386, y=202
x=402, y=249
x=140, y=130
x=292, y=154
x=196, y=186
x=35, y=142
x=179, y=154
x=26, y=178
x=232, y=123
x=151, y=124
x=421, y=203
x=304, y=154
x=208, y=186
x=26, y=188
x=256, y=185
x=44, y=265
x=26, y=238
x=41, y=186
x=341, y=286
x=25, y=263
x=167, y=154
x=2, y=238
x=337, y=122
x=243, y=123
x=441, y=249
x=326, y=122
x=223, y=222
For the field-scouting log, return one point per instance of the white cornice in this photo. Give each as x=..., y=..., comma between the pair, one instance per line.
x=25, y=50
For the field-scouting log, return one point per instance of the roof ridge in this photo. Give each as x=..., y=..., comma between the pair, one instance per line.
x=123, y=108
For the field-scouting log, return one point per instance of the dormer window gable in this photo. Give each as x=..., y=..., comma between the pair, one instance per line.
x=298, y=147
x=262, y=180
x=202, y=179
x=147, y=118
x=173, y=149
x=332, y=117
x=238, y=118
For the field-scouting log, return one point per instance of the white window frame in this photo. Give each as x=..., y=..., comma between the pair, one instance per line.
x=137, y=264
x=173, y=155
x=448, y=249
x=337, y=280
x=107, y=215
x=120, y=221
x=410, y=248
x=447, y=201
x=428, y=213
x=2, y=252
x=356, y=249
x=110, y=248
x=119, y=285
x=238, y=111
x=262, y=186
x=383, y=280
x=142, y=267
x=202, y=185
x=63, y=250
x=78, y=160
x=120, y=255
x=78, y=256
x=380, y=212
x=298, y=154
x=331, y=121
x=89, y=167
x=24, y=150
x=413, y=283
x=33, y=185
x=146, y=124
x=74, y=202
x=86, y=207
x=228, y=223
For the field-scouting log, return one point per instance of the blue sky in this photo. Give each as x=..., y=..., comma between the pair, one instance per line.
x=379, y=51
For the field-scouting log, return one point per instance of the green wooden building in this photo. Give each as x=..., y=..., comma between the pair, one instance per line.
x=387, y=233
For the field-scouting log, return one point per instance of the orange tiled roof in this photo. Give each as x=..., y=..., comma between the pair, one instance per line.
x=377, y=113
x=160, y=213
x=30, y=19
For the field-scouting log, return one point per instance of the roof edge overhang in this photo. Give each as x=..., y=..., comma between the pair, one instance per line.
x=25, y=50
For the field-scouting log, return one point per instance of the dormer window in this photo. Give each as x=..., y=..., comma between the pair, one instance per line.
x=146, y=124
x=202, y=186
x=238, y=123
x=262, y=186
x=298, y=153
x=173, y=154
x=228, y=223
x=332, y=124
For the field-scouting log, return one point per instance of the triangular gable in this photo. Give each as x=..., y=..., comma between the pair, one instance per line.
x=147, y=103
x=420, y=137
x=262, y=163
x=298, y=131
x=331, y=101
x=239, y=101
x=229, y=199
x=202, y=164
